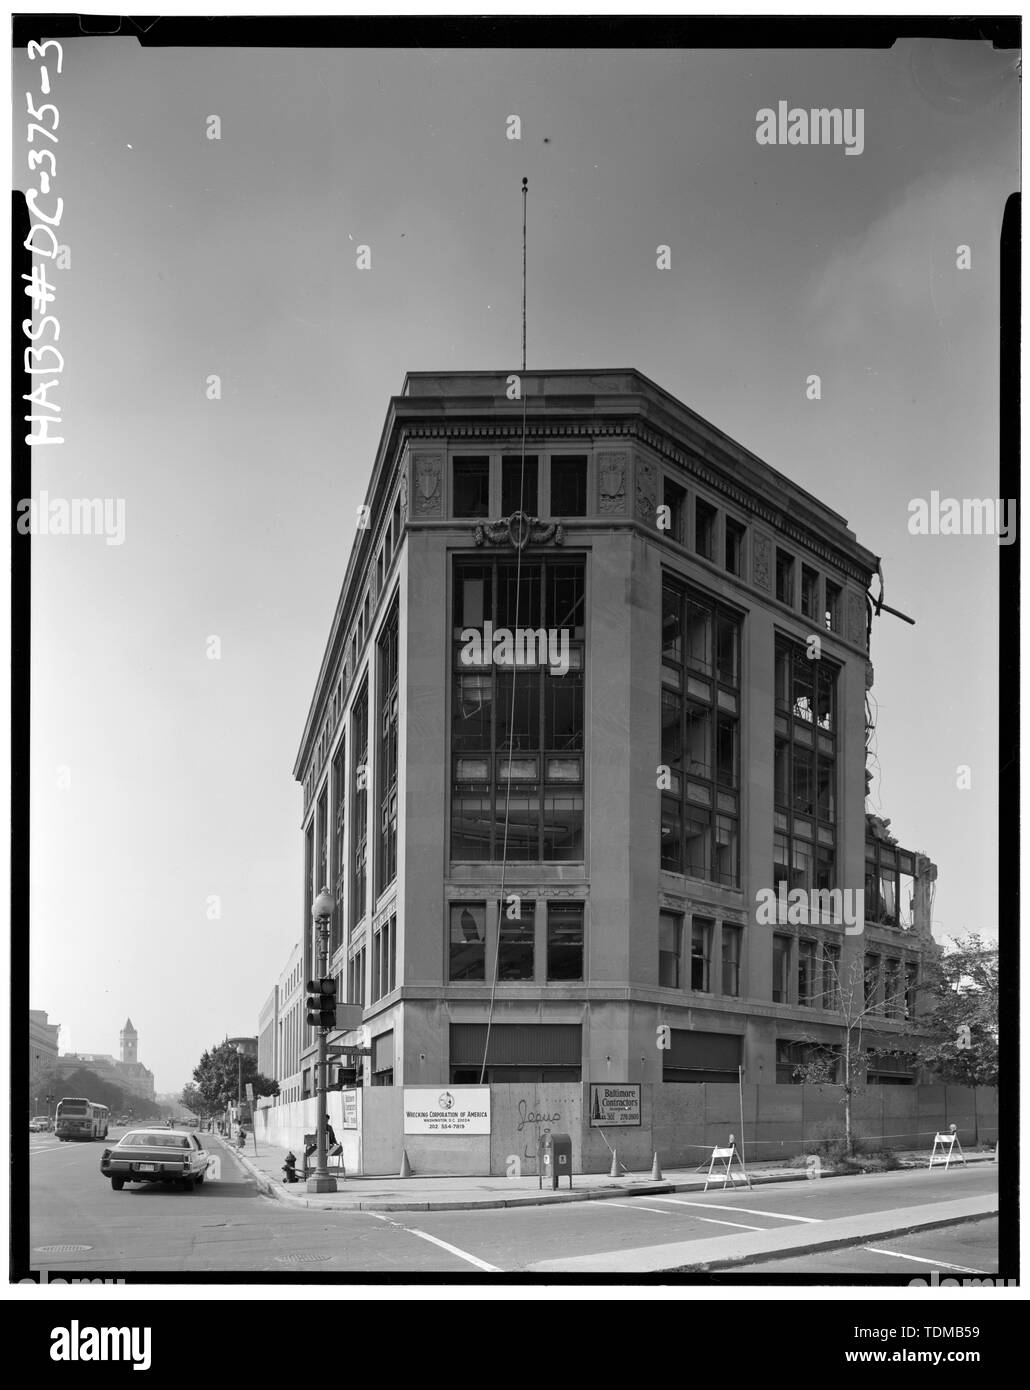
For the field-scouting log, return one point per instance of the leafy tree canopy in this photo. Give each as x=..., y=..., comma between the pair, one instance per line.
x=222, y=1074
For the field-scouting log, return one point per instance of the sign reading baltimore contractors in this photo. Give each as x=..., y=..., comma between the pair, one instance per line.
x=447, y=1110
x=614, y=1105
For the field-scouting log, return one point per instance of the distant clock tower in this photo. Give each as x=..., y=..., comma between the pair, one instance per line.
x=128, y=1038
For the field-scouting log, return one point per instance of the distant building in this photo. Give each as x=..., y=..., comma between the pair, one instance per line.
x=129, y=1073
x=42, y=1040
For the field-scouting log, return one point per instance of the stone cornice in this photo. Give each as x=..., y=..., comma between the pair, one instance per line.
x=805, y=532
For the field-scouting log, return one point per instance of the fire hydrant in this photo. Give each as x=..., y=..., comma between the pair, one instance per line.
x=290, y=1168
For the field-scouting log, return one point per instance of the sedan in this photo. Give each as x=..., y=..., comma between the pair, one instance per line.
x=156, y=1155
x=39, y=1124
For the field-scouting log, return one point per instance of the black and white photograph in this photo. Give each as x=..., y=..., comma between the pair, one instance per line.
x=515, y=657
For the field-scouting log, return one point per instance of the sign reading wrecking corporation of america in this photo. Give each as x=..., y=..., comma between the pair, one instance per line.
x=447, y=1110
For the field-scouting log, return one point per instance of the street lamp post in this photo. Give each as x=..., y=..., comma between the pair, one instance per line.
x=322, y=1180
x=239, y=1085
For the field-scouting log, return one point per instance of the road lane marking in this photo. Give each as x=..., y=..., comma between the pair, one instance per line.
x=453, y=1249
x=748, y=1211
x=920, y=1259
x=739, y=1224
x=626, y=1206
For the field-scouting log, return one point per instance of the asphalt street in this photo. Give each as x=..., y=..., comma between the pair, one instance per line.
x=79, y=1224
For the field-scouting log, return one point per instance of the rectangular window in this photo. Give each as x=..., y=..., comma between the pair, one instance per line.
x=518, y=485
x=356, y=978
x=568, y=486
x=735, y=533
x=701, y=954
x=785, y=577
x=670, y=949
x=322, y=839
x=834, y=615
x=468, y=941
x=871, y=981
x=339, y=856
x=359, y=800
x=831, y=977
x=781, y=970
x=705, y=517
x=804, y=768
x=809, y=592
x=384, y=959
x=911, y=986
x=472, y=487
x=700, y=704
x=893, y=998
x=675, y=498
x=516, y=929
x=517, y=726
x=387, y=770
x=807, y=985
x=564, y=941
x=731, y=938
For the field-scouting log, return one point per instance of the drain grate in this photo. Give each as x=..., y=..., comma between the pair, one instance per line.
x=60, y=1249
x=302, y=1259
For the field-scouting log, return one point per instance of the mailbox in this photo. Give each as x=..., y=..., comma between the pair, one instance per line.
x=555, y=1158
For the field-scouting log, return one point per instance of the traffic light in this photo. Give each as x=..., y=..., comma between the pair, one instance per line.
x=346, y=1078
x=321, y=1002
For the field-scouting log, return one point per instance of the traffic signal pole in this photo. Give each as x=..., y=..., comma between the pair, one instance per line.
x=324, y=1006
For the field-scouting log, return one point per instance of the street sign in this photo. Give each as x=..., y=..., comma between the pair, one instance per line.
x=348, y=1016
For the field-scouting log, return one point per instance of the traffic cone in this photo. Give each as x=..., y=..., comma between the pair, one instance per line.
x=405, y=1165
x=614, y=1170
x=656, y=1169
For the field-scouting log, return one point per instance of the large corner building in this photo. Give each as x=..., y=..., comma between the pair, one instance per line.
x=566, y=844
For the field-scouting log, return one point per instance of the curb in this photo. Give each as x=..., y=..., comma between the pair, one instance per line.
x=281, y=1193
x=891, y=1233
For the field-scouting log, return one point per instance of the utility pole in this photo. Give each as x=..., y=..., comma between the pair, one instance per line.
x=321, y=1005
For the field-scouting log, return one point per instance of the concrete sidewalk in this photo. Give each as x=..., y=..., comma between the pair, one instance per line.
x=421, y=1193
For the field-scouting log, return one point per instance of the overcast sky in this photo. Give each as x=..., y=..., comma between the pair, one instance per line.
x=237, y=257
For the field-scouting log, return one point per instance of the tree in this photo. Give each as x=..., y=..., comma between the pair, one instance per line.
x=962, y=1018
x=83, y=1082
x=855, y=995
x=192, y=1099
x=222, y=1074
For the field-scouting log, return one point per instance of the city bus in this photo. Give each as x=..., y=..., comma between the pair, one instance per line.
x=78, y=1118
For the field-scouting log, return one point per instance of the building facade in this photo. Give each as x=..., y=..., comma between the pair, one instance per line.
x=43, y=1046
x=590, y=697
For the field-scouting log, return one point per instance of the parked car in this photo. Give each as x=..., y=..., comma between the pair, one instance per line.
x=156, y=1155
x=40, y=1124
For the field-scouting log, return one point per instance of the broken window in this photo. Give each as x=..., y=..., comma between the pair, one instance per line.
x=704, y=529
x=834, y=607
x=675, y=498
x=785, y=577
x=735, y=533
x=809, y=592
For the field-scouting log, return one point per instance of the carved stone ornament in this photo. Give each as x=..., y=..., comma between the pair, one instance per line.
x=611, y=480
x=856, y=618
x=760, y=561
x=645, y=490
x=518, y=531
x=404, y=494
x=427, y=484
